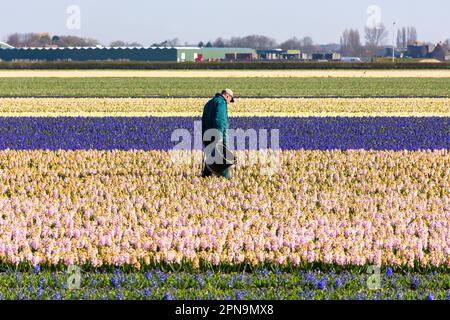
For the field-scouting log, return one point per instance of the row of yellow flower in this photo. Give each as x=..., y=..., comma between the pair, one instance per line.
x=133, y=207
x=242, y=107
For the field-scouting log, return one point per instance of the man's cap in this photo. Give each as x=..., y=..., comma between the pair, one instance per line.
x=230, y=92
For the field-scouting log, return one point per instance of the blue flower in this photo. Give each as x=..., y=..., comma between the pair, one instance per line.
x=147, y=293
x=37, y=269
x=115, y=281
x=39, y=293
x=338, y=283
x=414, y=283
x=389, y=272
x=313, y=133
x=430, y=296
x=321, y=285
x=239, y=295
x=200, y=280
x=57, y=296
x=162, y=277
x=167, y=296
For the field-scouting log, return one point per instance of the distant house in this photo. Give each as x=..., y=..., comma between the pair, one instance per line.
x=326, y=56
x=279, y=54
x=387, y=53
x=440, y=52
x=174, y=54
x=419, y=50
x=305, y=56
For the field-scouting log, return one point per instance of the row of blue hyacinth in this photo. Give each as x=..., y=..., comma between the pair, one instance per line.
x=155, y=133
x=262, y=284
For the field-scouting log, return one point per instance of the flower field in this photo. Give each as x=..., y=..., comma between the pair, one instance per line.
x=119, y=207
x=169, y=107
x=370, y=73
x=206, y=86
x=92, y=182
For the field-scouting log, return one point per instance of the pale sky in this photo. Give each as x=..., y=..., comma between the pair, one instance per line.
x=192, y=21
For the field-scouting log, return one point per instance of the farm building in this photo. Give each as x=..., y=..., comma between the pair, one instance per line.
x=387, y=53
x=419, y=50
x=326, y=56
x=279, y=54
x=5, y=46
x=173, y=54
x=440, y=52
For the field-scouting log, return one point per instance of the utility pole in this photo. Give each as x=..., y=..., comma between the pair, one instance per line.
x=393, y=42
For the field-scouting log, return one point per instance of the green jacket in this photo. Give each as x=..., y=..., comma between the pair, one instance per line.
x=215, y=116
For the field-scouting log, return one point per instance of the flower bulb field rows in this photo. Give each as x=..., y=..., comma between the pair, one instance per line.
x=155, y=133
x=134, y=207
x=95, y=184
x=206, y=86
x=170, y=107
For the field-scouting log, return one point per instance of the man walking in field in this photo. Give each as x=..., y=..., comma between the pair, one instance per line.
x=215, y=116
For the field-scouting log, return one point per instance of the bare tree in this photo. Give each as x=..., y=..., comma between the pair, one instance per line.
x=29, y=40
x=74, y=41
x=172, y=42
x=351, y=42
x=375, y=37
x=253, y=41
x=411, y=35
x=400, y=41
x=120, y=43
x=308, y=45
x=219, y=43
x=292, y=43
x=406, y=36
x=14, y=40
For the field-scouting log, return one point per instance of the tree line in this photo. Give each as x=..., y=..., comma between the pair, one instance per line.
x=351, y=43
x=375, y=38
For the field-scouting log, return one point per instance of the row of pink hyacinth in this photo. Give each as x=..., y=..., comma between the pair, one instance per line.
x=134, y=207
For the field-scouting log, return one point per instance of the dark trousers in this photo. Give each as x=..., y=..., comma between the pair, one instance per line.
x=207, y=173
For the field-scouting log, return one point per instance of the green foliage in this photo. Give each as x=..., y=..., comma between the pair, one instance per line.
x=127, y=87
